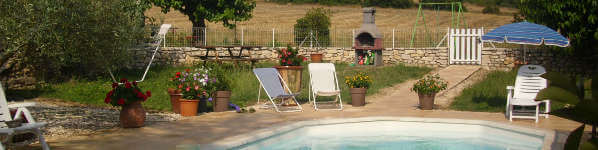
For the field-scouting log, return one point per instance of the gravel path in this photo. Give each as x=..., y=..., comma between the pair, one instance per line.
x=70, y=119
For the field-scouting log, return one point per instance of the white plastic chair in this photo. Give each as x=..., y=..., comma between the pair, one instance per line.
x=323, y=82
x=527, y=85
x=30, y=127
x=272, y=83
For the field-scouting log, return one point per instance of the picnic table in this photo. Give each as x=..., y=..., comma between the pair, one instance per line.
x=231, y=57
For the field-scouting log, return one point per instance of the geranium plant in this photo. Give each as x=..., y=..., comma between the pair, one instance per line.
x=194, y=84
x=289, y=57
x=429, y=85
x=359, y=80
x=125, y=92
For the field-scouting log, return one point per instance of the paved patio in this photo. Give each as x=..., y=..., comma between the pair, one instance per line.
x=396, y=101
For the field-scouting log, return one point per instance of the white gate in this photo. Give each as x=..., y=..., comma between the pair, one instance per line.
x=465, y=46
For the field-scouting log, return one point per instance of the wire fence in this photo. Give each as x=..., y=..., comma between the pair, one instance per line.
x=279, y=37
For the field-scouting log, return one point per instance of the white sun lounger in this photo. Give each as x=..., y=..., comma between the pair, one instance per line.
x=30, y=127
x=323, y=82
x=527, y=85
x=272, y=83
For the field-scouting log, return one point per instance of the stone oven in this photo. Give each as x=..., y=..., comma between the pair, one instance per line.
x=368, y=40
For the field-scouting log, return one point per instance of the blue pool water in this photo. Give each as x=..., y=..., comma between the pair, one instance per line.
x=394, y=135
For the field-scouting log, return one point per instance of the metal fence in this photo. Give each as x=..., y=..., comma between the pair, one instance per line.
x=278, y=37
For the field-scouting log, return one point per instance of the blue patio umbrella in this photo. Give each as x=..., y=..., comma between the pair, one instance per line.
x=526, y=33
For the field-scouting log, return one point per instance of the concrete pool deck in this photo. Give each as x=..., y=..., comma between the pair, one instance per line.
x=396, y=101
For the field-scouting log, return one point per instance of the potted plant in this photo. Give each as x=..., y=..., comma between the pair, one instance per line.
x=316, y=57
x=427, y=88
x=129, y=96
x=175, y=93
x=358, y=84
x=290, y=68
x=196, y=87
x=222, y=88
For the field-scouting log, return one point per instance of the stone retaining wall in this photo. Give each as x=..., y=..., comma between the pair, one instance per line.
x=492, y=58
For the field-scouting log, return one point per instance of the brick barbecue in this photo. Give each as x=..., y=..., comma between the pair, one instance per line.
x=368, y=40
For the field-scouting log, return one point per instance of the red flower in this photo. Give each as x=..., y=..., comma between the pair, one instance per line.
x=145, y=98
x=114, y=85
x=110, y=93
x=178, y=74
x=187, y=70
x=140, y=95
x=180, y=86
x=135, y=83
x=123, y=80
x=148, y=93
x=283, y=61
x=188, y=89
x=304, y=58
x=121, y=101
x=107, y=100
x=128, y=85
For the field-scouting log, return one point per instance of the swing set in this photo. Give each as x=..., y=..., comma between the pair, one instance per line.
x=456, y=20
x=160, y=38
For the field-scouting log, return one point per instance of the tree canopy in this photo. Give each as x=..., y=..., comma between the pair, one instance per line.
x=226, y=11
x=577, y=20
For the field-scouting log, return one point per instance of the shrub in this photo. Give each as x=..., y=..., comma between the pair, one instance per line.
x=491, y=9
x=388, y=3
x=58, y=39
x=316, y=21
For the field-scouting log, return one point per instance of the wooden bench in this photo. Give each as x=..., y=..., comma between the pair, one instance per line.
x=235, y=61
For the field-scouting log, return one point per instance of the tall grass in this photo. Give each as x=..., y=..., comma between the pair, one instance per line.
x=244, y=85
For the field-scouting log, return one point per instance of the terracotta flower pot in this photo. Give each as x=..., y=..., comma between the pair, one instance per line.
x=174, y=102
x=292, y=76
x=188, y=107
x=316, y=58
x=358, y=96
x=426, y=101
x=132, y=115
x=221, y=102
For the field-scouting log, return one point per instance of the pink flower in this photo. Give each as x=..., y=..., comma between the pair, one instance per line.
x=283, y=61
x=180, y=86
x=128, y=85
x=187, y=89
x=196, y=87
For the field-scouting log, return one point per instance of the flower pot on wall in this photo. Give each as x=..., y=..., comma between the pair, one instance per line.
x=316, y=58
x=188, y=107
x=221, y=102
x=132, y=115
x=358, y=96
x=426, y=101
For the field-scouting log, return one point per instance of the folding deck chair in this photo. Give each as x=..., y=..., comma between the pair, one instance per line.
x=272, y=83
x=323, y=82
x=30, y=127
x=527, y=85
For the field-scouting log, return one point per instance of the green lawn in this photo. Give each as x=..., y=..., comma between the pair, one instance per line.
x=244, y=84
x=490, y=94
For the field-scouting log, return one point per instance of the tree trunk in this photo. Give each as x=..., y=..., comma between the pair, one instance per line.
x=198, y=37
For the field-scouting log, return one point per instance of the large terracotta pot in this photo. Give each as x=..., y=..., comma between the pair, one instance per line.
x=316, y=58
x=426, y=101
x=221, y=102
x=188, y=107
x=358, y=96
x=132, y=115
x=292, y=76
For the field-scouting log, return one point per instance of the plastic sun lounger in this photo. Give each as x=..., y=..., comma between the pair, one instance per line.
x=527, y=85
x=323, y=82
x=30, y=127
x=271, y=80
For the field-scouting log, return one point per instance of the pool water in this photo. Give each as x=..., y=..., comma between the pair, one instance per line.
x=397, y=135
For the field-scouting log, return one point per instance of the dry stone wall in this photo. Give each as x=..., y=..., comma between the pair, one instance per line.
x=492, y=58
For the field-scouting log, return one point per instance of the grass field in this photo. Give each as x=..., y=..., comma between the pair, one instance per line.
x=244, y=84
x=273, y=15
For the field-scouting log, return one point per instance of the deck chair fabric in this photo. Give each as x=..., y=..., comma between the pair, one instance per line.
x=527, y=86
x=323, y=82
x=271, y=81
x=30, y=127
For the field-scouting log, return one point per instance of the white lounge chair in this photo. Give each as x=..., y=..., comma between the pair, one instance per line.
x=323, y=82
x=30, y=127
x=272, y=83
x=527, y=85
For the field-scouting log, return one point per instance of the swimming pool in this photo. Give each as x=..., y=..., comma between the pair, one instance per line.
x=392, y=133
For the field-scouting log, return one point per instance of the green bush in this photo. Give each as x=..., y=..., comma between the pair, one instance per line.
x=364, y=3
x=316, y=21
x=59, y=39
x=388, y=3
